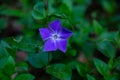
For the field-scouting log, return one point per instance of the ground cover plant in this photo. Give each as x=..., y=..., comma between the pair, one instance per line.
x=59, y=40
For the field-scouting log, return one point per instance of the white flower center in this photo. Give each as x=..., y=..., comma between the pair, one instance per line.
x=55, y=36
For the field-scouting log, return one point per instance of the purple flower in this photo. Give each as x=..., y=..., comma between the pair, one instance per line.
x=55, y=36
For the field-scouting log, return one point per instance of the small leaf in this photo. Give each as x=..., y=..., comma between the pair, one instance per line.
x=68, y=3
x=98, y=28
x=109, y=36
x=4, y=44
x=37, y=15
x=101, y=66
x=3, y=54
x=9, y=68
x=106, y=48
x=60, y=71
x=38, y=60
x=109, y=6
x=22, y=66
x=90, y=77
x=18, y=38
x=38, y=12
x=24, y=77
x=3, y=62
x=82, y=69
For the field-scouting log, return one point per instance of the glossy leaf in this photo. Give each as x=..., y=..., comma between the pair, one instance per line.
x=101, y=66
x=97, y=27
x=106, y=48
x=9, y=68
x=60, y=71
x=38, y=60
x=82, y=69
x=90, y=77
x=24, y=77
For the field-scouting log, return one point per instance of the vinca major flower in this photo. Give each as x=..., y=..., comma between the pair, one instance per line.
x=55, y=36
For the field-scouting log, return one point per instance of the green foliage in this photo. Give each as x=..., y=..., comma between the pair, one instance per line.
x=38, y=60
x=38, y=12
x=22, y=66
x=92, y=51
x=9, y=67
x=90, y=77
x=98, y=28
x=24, y=77
x=101, y=66
x=12, y=12
x=3, y=54
x=82, y=69
x=61, y=71
x=106, y=48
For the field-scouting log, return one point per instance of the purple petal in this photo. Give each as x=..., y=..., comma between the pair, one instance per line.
x=50, y=45
x=65, y=34
x=55, y=25
x=62, y=45
x=45, y=33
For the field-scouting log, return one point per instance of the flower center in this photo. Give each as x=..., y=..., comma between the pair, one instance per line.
x=55, y=36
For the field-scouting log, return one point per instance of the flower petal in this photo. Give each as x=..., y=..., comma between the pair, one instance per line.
x=62, y=45
x=65, y=34
x=45, y=33
x=50, y=45
x=55, y=25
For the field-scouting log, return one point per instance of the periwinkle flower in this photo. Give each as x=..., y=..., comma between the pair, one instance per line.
x=55, y=36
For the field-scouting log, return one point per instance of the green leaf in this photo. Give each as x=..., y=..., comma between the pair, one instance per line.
x=110, y=64
x=90, y=77
x=68, y=3
x=26, y=44
x=72, y=52
x=38, y=12
x=9, y=68
x=82, y=69
x=4, y=77
x=3, y=61
x=101, y=66
x=3, y=54
x=117, y=63
x=22, y=66
x=38, y=60
x=97, y=27
x=18, y=38
x=4, y=44
x=112, y=77
x=24, y=77
x=60, y=71
x=109, y=36
x=37, y=15
x=109, y=6
x=88, y=51
x=106, y=48
x=12, y=12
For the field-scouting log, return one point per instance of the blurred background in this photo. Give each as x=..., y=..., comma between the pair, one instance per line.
x=93, y=51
